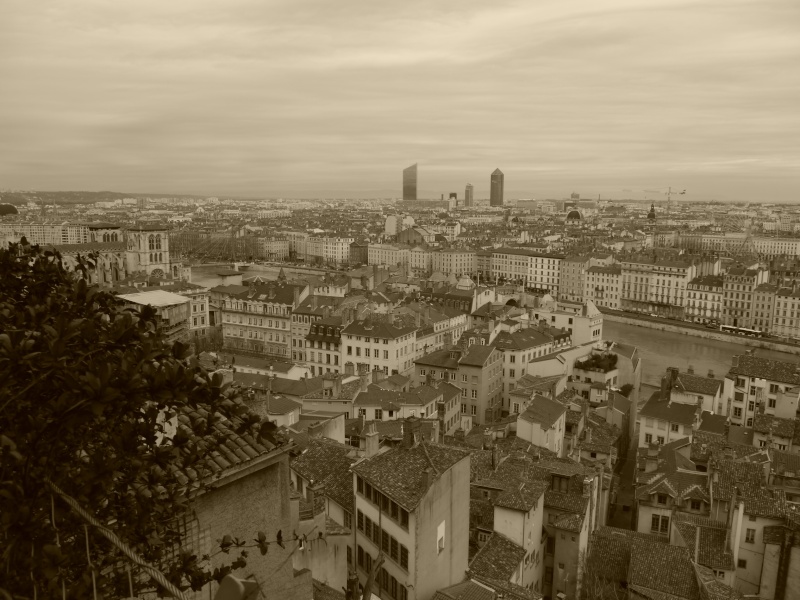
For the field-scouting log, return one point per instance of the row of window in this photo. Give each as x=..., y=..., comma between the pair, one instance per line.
x=375, y=353
x=383, y=540
x=389, y=507
x=267, y=309
x=255, y=335
x=255, y=321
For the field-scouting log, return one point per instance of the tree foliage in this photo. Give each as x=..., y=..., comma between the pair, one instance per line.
x=8, y=209
x=626, y=390
x=88, y=390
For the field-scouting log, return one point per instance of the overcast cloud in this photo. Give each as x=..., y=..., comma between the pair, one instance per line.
x=324, y=98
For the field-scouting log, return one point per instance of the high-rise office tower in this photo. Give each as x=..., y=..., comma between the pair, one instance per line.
x=410, y=182
x=496, y=195
x=468, y=201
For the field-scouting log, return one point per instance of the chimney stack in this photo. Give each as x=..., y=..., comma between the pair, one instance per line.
x=459, y=434
x=411, y=432
x=690, y=370
x=371, y=441
x=349, y=368
x=488, y=442
x=366, y=380
x=711, y=374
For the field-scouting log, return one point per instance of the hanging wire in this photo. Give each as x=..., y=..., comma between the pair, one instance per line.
x=122, y=546
x=89, y=561
x=58, y=541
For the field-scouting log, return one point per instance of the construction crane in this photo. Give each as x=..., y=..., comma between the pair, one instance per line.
x=669, y=194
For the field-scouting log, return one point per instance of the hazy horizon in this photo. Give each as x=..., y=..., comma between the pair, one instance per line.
x=319, y=99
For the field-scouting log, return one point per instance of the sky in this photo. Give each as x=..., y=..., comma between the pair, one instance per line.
x=308, y=98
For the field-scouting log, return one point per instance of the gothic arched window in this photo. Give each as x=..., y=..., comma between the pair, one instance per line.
x=158, y=242
x=152, y=241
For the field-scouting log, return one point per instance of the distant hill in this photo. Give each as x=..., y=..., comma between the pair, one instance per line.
x=22, y=198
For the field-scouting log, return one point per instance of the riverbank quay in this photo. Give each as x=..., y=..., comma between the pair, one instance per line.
x=695, y=330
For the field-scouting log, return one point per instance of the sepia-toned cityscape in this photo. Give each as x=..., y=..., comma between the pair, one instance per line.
x=434, y=303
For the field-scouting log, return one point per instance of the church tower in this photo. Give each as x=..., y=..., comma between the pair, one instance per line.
x=147, y=251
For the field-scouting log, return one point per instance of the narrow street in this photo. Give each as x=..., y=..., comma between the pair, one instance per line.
x=621, y=513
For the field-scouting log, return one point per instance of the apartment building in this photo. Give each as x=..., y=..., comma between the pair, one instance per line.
x=513, y=553
x=456, y=262
x=477, y=371
x=753, y=381
x=536, y=271
x=764, y=306
x=435, y=402
x=662, y=421
x=704, y=298
x=47, y=233
x=311, y=309
x=727, y=511
x=421, y=260
x=323, y=345
x=543, y=424
x=258, y=319
x=572, y=274
x=656, y=286
x=172, y=311
x=380, y=342
x=274, y=248
x=571, y=277
x=603, y=286
x=785, y=311
x=328, y=250
x=582, y=320
x=388, y=254
x=439, y=325
x=199, y=318
x=531, y=516
x=738, y=292
x=412, y=505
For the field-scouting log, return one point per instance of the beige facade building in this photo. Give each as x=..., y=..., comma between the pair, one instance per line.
x=603, y=286
x=258, y=319
x=477, y=371
x=412, y=505
x=457, y=262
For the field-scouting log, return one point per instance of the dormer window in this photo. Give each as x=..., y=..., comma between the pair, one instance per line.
x=661, y=498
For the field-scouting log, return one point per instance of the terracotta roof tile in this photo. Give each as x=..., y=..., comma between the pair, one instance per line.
x=399, y=472
x=497, y=559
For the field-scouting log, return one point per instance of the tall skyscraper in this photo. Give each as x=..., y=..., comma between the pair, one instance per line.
x=410, y=182
x=468, y=200
x=496, y=195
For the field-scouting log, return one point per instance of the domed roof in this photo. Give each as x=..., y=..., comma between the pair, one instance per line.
x=574, y=215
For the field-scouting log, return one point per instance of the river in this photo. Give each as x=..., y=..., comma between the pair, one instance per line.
x=662, y=349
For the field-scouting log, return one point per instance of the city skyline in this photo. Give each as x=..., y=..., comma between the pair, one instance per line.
x=307, y=101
